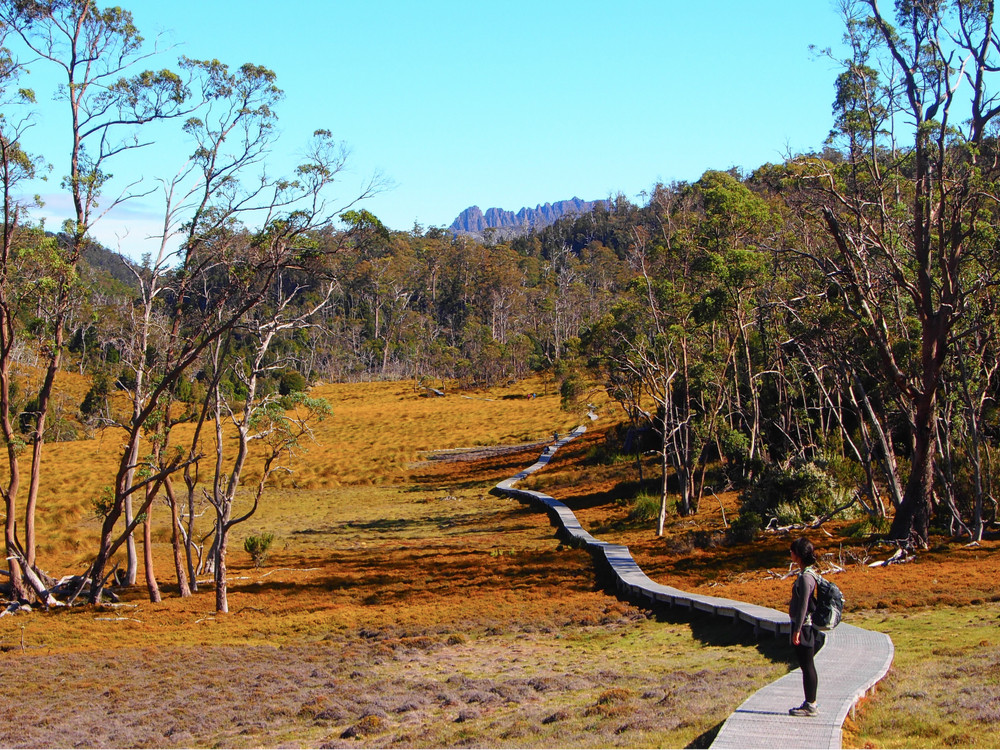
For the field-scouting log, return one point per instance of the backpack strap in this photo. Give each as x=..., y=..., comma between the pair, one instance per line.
x=817, y=578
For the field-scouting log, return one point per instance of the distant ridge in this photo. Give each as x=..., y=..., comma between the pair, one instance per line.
x=473, y=221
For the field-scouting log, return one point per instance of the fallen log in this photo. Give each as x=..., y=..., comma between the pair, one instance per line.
x=898, y=557
x=15, y=607
x=70, y=584
x=36, y=584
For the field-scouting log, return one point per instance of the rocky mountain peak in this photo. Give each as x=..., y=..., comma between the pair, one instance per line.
x=473, y=221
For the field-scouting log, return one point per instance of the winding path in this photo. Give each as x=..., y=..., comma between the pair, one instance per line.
x=850, y=664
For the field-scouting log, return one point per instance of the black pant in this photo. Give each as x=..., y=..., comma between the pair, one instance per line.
x=810, y=679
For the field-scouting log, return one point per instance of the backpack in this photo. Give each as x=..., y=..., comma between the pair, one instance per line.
x=829, y=604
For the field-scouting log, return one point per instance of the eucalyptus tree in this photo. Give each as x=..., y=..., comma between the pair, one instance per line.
x=967, y=467
x=98, y=52
x=647, y=349
x=228, y=274
x=229, y=133
x=912, y=210
x=383, y=281
x=681, y=344
x=562, y=302
x=854, y=414
x=208, y=236
x=257, y=417
x=21, y=258
x=736, y=225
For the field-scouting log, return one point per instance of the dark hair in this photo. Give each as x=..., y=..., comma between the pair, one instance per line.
x=805, y=550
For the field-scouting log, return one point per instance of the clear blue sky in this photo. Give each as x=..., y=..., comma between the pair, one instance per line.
x=514, y=104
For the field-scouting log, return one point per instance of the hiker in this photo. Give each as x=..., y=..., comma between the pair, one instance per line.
x=806, y=638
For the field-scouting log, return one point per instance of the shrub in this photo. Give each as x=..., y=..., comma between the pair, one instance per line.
x=97, y=397
x=791, y=495
x=645, y=508
x=184, y=390
x=867, y=527
x=736, y=450
x=257, y=546
x=604, y=454
x=126, y=380
x=614, y=695
x=291, y=381
x=572, y=389
x=369, y=724
x=28, y=418
x=103, y=502
x=787, y=513
x=746, y=527
x=613, y=702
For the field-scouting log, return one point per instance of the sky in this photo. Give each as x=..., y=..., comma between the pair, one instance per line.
x=507, y=104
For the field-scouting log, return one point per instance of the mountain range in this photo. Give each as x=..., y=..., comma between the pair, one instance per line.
x=473, y=221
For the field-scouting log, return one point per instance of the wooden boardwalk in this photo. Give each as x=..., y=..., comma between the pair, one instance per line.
x=849, y=665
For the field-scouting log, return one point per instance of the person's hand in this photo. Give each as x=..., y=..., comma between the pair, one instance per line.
x=796, y=637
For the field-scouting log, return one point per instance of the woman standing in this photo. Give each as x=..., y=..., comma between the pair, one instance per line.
x=805, y=638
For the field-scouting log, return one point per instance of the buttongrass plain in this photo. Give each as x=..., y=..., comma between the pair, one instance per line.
x=404, y=605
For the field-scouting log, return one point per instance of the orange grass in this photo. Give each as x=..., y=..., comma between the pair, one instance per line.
x=404, y=605
x=375, y=436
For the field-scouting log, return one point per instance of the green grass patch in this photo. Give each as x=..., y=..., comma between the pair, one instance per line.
x=944, y=686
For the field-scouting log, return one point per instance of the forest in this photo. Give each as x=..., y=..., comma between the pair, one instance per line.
x=819, y=334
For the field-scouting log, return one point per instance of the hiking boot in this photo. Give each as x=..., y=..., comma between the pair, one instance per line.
x=806, y=709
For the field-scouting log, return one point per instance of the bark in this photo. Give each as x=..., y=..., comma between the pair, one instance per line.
x=221, y=582
x=11, y=544
x=147, y=548
x=175, y=541
x=664, y=466
x=38, y=441
x=131, y=554
x=911, y=522
x=890, y=471
x=109, y=545
x=39, y=587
